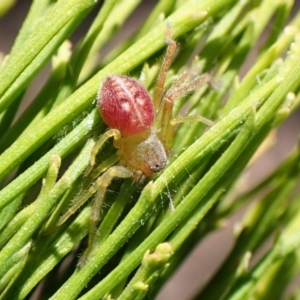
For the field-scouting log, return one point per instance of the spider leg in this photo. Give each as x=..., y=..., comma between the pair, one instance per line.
x=87, y=190
x=79, y=200
x=183, y=119
x=168, y=58
x=104, y=166
x=101, y=186
x=103, y=138
x=184, y=84
x=176, y=91
x=163, y=112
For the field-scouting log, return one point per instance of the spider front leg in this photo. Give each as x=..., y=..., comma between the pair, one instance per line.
x=115, y=133
x=168, y=58
x=101, y=186
x=186, y=83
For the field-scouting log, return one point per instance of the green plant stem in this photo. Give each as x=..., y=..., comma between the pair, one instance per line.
x=231, y=61
x=186, y=206
x=117, y=207
x=184, y=19
x=151, y=192
x=39, y=107
x=8, y=116
x=83, y=50
x=163, y=8
x=63, y=12
x=216, y=38
x=204, y=166
x=285, y=248
x=5, y=6
x=269, y=181
x=250, y=237
x=114, y=20
x=36, y=171
x=23, y=80
x=51, y=250
x=47, y=202
x=288, y=83
x=8, y=212
x=281, y=17
x=27, y=212
x=17, y=262
x=151, y=266
x=266, y=59
x=37, y=9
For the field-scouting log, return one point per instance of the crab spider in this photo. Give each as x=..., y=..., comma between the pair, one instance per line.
x=142, y=130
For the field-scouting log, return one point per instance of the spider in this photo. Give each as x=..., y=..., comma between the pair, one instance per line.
x=142, y=131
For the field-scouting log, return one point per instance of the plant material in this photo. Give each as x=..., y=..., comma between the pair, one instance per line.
x=147, y=229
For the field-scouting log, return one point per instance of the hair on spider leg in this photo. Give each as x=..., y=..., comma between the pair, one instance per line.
x=197, y=68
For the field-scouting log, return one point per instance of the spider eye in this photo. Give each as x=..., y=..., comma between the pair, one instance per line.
x=155, y=168
x=125, y=105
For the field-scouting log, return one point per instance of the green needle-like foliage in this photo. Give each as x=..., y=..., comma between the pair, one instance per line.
x=146, y=230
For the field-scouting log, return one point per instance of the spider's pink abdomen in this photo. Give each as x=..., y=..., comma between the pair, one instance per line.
x=125, y=105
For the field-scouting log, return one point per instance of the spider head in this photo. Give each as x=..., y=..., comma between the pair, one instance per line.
x=144, y=152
